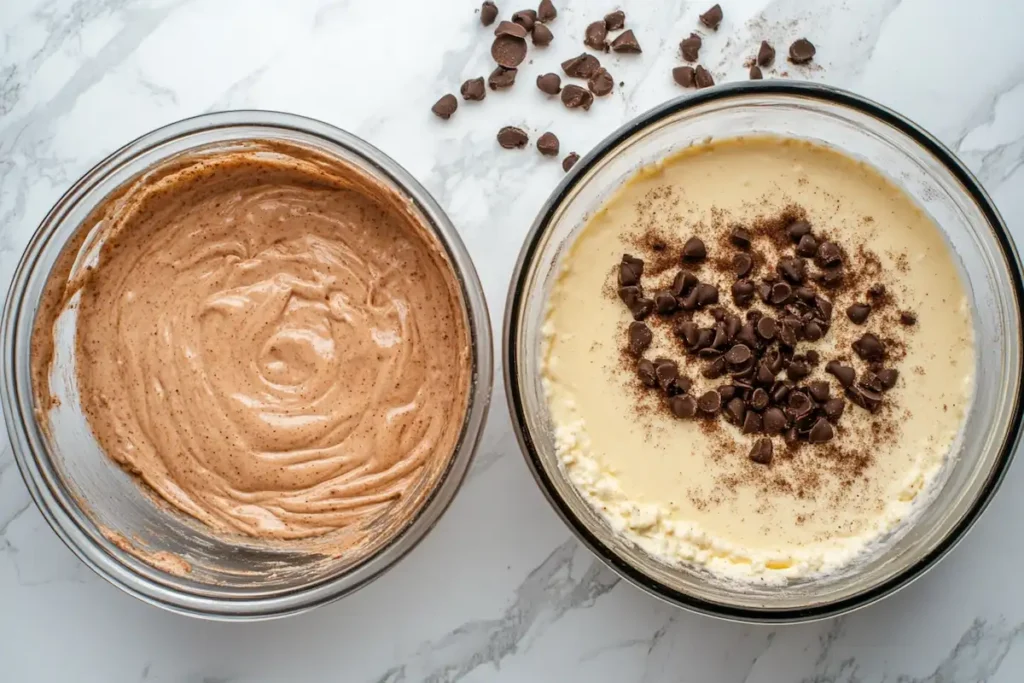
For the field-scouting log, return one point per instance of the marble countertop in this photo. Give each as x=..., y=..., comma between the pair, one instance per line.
x=521, y=601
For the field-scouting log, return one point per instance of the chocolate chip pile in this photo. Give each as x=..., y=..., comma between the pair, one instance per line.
x=768, y=385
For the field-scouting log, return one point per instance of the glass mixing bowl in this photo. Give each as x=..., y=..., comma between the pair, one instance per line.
x=101, y=512
x=989, y=265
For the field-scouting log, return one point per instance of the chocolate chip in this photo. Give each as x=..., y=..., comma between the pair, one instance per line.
x=824, y=307
x=573, y=97
x=869, y=380
x=630, y=270
x=908, y=318
x=799, y=404
x=831, y=277
x=665, y=302
x=702, y=77
x=642, y=308
x=774, y=421
x=801, y=51
x=706, y=294
x=684, y=76
x=765, y=54
x=446, y=106
x=755, y=73
x=688, y=331
x=714, y=369
x=546, y=11
x=804, y=294
x=569, y=161
x=683, y=283
x=821, y=432
x=502, y=78
x=773, y=359
x=488, y=13
x=761, y=452
x=751, y=423
x=683, y=406
x=747, y=336
x=550, y=84
x=866, y=398
x=512, y=30
x=858, y=313
x=525, y=18
x=581, y=66
x=712, y=18
x=511, y=137
x=888, y=377
x=735, y=411
x=793, y=269
x=547, y=144
x=813, y=331
x=508, y=50
x=780, y=293
x=689, y=302
x=690, y=47
x=743, y=293
x=645, y=371
x=613, y=21
x=732, y=326
x=630, y=294
x=844, y=373
x=813, y=357
x=595, y=34
x=666, y=372
x=704, y=339
x=640, y=338
x=626, y=43
x=473, y=89
x=807, y=247
x=828, y=255
x=741, y=238
x=738, y=355
x=833, y=409
x=869, y=347
x=721, y=337
x=742, y=264
x=542, y=35
x=797, y=370
x=763, y=374
x=766, y=328
x=759, y=399
x=819, y=391
x=694, y=250
x=780, y=392
x=876, y=291
x=710, y=402
x=601, y=83
x=797, y=229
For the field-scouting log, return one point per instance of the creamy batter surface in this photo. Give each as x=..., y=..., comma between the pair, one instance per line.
x=689, y=490
x=272, y=342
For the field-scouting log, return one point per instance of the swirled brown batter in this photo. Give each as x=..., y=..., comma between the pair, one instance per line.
x=270, y=340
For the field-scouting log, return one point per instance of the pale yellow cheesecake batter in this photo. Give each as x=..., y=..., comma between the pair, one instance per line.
x=687, y=493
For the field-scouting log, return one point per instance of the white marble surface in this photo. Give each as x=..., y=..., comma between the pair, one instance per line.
x=499, y=591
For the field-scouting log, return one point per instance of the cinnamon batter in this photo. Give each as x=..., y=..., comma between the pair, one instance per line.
x=270, y=340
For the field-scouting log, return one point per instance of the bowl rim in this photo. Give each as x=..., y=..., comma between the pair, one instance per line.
x=516, y=298
x=65, y=517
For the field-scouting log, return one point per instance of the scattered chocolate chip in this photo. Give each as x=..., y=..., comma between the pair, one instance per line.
x=801, y=51
x=473, y=89
x=759, y=399
x=613, y=21
x=581, y=66
x=797, y=370
x=704, y=339
x=548, y=144
x=793, y=269
x=690, y=47
x=664, y=302
x=728, y=392
x=645, y=371
x=741, y=238
x=694, y=250
x=502, y=78
x=689, y=331
x=798, y=404
x=683, y=406
x=774, y=421
x=828, y=255
x=714, y=369
x=821, y=432
x=595, y=34
x=751, y=422
x=858, y=313
x=712, y=18
x=738, y=355
x=542, y=35
x=683, y=283
x=866, y=398
x=797, y=229
x=808, y=246
x=747, y=336
x=734, y=411
x=765, y=54
x=869, y=380
x=546, y=11
x=630, y=270
x=642, y=308
x=833, y=409
x=630, y=294
x=824, y=307
x=684, y=76
x=844, y=373
x=445, y=106
x=573, y=97
x=888, y=377
x=742, y=264
x=508, y=50
x=550, y=84
x=569, y=161
x=876, y=291
x=710, y=402
x=666, y=372
x=640, y=338
x=511, y=137
x=511, y=29
x=761, y=452
x=755, y=73
x=813, y=331
x=869, y=347
x=813, y=357
x=819, y=391
x=525, y=18
x=706, y=294
x=780, y=392
x=601, y=83
x=780, y=293
x=626, y=43
x=702, y=77
x=488, y=13
x=908, y=318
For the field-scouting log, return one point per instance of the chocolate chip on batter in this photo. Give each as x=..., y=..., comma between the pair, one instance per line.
x=683, y=283
x=645, y=371
x=694, y=250
x=793, y=269
x=690, y=47
x=844, y=373
x=547, y=144
x=765, y=54
x=473, y=89
x=742, y=264
x=869, y=347
x=640, y=338
x=752, y=423
x=888, y=377
x=858, y=313
x=683, y=406
x=866, y=398
x=488, y=13
x=761, y=452
x=445, y=107
x=684, y=76
x=575, y=97
x=594, y=35
x=807, y=246
x=766, y=328
x=613, y=21
x=797, y=229
x=743, y=293
x=550, y=84
x=665, y=302
x=734, y=411
x=626, y=43
x=819, y=391
x=908, y=318
x=630, y=270
x=710, y=402
x=741, y=238
x=821, y=432
x=511, y=137
x=712, y=18
x=833, y=409
x=828, y=255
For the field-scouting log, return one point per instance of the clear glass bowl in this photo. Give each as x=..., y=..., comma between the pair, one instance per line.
x=81, y=491
x=989, y=265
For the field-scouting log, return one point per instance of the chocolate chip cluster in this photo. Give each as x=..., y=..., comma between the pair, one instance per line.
x=768, y=387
